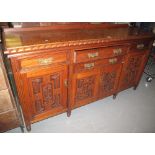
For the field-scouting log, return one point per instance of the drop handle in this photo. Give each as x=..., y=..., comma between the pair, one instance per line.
x=66, y=83
x=140, y=46
x=93, y=55
x=46, y=61
x=89, y=65
x=113, y=61
x=117, y=51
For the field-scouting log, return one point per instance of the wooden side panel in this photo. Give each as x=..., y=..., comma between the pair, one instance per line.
x=8, y=113
x=5, y=101
x=8, y=120
x=2, y=80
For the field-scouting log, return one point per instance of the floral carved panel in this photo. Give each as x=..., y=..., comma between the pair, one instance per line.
x=85, y=88
x=108, y=81
x=131, y=70
x=46, y=92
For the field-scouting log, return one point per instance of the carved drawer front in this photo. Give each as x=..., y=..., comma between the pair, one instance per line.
x=109, y=78
x=2, y=80
x=47, y=91
x=139, y=46
x=99, y=53
x=131, y=70
x=43, y=60
x=88, y=66
x=85, y=88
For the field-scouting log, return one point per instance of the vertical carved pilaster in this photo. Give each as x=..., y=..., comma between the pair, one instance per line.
x=47, y=91
x=36, y=85
x=56, y=79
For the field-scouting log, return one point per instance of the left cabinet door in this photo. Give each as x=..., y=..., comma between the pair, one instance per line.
x=47, y=91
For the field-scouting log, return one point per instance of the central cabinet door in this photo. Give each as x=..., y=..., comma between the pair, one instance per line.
x=47, y=90
x=109, y=78
x=85, y=87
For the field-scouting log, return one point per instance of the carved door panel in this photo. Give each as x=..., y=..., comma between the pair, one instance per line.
x=47, y=90
x=85, y=87
x=109, y=78
x=131, y=70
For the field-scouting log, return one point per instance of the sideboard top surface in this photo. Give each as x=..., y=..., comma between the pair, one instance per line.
x=24, y=41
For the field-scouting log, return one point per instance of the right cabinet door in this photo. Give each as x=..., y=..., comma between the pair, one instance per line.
x=132, y=70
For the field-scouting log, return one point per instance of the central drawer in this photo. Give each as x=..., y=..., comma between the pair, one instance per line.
x=88, y=66
x=99, y=53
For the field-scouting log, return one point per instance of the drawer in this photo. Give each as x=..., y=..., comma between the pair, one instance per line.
x=82, y=67
x=140, y=46
x=2, y=80
x=43, y=60
x=99, y=53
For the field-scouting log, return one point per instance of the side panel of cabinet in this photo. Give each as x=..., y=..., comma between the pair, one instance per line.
x=109, y=78
x=46, y=91
x=132, y=69
x=85, y=88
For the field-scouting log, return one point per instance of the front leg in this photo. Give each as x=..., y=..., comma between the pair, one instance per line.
x=114, y=96
x=68, y=113
x=135, y=87
x=28, y=127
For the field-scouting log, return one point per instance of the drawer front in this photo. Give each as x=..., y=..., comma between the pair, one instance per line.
x=2, y=80
x=113, y=51
x=43, y=60
x=99, y=53
x=140, y=46
x=82, y=67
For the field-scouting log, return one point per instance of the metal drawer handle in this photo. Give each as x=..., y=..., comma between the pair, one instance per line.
x=140, y=46
x=113, y=61
x=89, y=66
x=92, y=55
x=46, y=61
x=117, y=51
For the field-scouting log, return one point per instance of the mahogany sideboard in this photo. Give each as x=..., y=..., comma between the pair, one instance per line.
x=57, y=69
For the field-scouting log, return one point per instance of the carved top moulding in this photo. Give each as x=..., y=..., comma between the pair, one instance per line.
x=27, y=41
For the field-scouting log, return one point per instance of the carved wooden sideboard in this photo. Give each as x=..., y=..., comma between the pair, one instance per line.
x=57, y=69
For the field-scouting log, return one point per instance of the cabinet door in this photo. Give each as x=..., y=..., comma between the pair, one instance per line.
x=85, y=86
x=132, y=70
x=47, y=91
x=109, y=78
